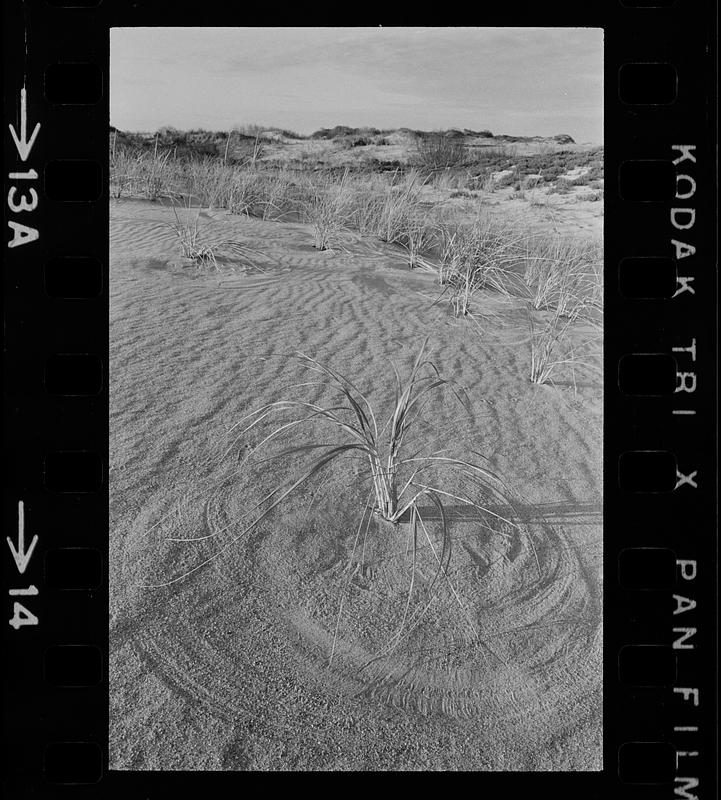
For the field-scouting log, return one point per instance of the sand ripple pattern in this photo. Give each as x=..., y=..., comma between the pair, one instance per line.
x=493, y=647
x=534, y=664
x=503, y=668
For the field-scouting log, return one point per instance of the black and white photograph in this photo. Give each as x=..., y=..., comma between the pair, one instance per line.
x=356, y=399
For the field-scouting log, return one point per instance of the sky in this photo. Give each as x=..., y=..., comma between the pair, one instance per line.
x=517, y=81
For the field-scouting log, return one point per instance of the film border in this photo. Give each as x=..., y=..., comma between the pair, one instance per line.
x=56, y=439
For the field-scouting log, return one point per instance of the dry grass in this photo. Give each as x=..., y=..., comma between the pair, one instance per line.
x=401, y=470
x=551, y=272
x=125, y=168
x=245, y=192
x=328, y=209
x=399, y=201
x=187, y=228
x=420, y=236
x=204, y=252
x=258, y=192
x=563, y=273
x=134, y=171
x=552, y=348
x=478, y=256
x=157, y=173
x=207, y=179
x=368, y=194
x=437, y=152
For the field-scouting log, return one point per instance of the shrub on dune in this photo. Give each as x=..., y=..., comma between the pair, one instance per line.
x=436, y=152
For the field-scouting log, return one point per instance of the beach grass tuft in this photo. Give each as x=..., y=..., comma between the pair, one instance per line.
x=402, y=468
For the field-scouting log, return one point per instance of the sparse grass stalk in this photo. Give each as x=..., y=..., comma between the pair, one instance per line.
x=257, y=150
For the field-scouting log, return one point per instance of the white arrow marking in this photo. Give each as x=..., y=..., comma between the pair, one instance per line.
x=21, y=557
x=24, y=146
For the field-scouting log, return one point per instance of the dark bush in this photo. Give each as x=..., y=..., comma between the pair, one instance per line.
x=437, y=151
x=332, y=133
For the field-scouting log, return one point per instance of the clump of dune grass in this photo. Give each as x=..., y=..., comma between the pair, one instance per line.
x=399, y=204
x=156, y=174
x=465, y=283
x=276, y=188
x=399, y=469
x=327, y=209
x=148, y=173
x=420, y=236
x=552, y=348
x=204, y=252
x=394, y=460
x=367, y=201
x=186, y=228
x=563, y=273
x=209, y=179
x=399, y=466
x=245, y=192
x=475, y=257
x=125, y=169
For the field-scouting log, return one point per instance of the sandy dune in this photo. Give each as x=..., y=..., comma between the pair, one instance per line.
x=228, y=668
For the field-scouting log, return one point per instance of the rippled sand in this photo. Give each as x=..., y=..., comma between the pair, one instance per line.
x=229, y=667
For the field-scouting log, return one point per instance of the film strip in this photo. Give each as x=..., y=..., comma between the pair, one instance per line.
x=660, y=539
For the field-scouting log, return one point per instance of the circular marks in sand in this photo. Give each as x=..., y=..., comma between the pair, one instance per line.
x=508, y=635
x=508, y=630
